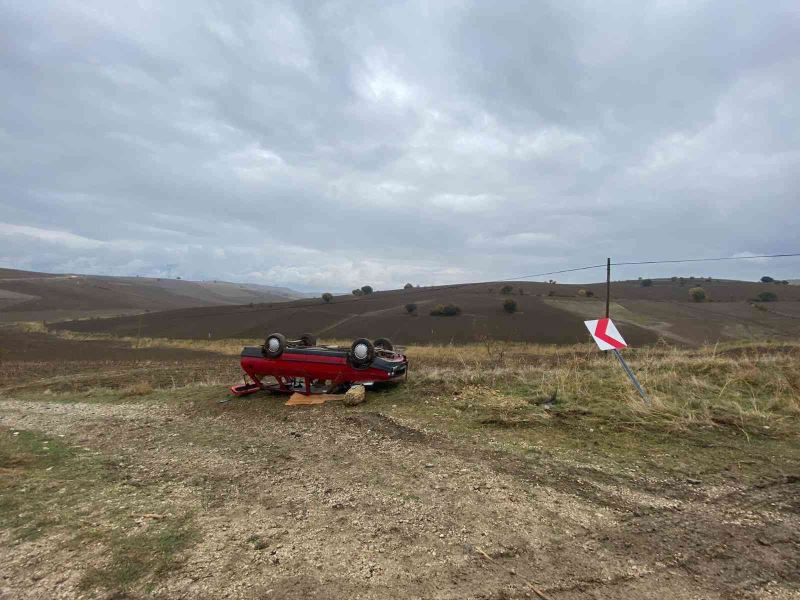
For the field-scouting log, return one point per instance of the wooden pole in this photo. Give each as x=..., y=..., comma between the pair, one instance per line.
x=608, y=286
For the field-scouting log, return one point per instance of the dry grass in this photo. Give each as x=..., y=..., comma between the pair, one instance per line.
x=748, y=385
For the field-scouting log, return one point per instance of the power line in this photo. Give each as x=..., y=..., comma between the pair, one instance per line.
x=552, y=273
x=650, y=262
x=687, y=260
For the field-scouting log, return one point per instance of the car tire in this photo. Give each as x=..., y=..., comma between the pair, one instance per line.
x=383, y=344
x=274, y=345
x=361, y=352
x=308, y=339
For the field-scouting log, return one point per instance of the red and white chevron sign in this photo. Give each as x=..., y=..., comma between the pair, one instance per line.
x=605, y=334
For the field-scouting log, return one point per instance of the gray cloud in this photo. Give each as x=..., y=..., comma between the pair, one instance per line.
x=324, y=145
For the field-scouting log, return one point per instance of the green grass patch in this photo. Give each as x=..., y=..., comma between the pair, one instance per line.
x=147, y=555
x=36, y=474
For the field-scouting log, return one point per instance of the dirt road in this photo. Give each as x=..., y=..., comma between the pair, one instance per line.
x=329, y=502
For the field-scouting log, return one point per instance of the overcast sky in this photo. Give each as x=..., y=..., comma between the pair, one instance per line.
x=324, y=145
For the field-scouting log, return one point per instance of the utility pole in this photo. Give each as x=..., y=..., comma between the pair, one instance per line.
x=608, y=286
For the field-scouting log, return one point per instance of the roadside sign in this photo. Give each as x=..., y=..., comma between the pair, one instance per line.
x=607, y=337
x=605, y=334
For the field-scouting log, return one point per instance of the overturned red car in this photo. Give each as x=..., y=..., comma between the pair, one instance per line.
x=300, y=365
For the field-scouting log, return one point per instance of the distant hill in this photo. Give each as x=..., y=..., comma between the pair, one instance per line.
x=26, y=295
x=547, y=313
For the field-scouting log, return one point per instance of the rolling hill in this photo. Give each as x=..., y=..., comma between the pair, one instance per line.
x=26, y=295
x=547, y=313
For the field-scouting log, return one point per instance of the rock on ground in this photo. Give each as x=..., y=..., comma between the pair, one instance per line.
x=355, y=395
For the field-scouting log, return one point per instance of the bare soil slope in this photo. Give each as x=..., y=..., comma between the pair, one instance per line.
x=43, y=296
x=545, y=314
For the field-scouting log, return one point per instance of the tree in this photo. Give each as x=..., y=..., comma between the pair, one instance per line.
x=357, y=292
x=367, y=289
x=446, y=310
x=327, y=297
x=408, y=286
x=646, y=283
x=767, y=297
x=767, y=279
x=510, y=305
x=411, y=308
x=697, y=294
x=673, y=279
x=506, y=289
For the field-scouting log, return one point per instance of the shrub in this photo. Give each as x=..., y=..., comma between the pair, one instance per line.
x=366, y=289
x=697, y=294
x=411, y=308
x=589, y=293
x=767, y=279
x=357, y=292
x=510, y=305
x=673, y=279
x=506, y=289
x=582, y=293
x=408, y=286
x=646, y=283
x=767, y=297
x=327, y=297
x=446, y=310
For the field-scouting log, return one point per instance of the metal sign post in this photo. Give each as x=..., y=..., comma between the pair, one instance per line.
x=631, y=376
x=607, y=337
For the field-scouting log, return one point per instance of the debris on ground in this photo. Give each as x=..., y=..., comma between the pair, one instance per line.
x=298, y=399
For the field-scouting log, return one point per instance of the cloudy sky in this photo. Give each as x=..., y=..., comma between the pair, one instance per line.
x=324, y=145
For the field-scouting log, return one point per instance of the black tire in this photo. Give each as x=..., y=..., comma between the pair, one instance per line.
x=274, y=345
x=361, y=352
x=384, y=344
x=308, y=339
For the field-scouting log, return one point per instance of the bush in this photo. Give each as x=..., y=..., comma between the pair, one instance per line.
x=673, y=279
x=582, y=293
x=697, y=294
x=446, y=310
x=646, y=283
x=408, y=286
x=366, y=289
x=506, y=289
x=767, y=279
x=510, y=306
x=327, y=297
x=357, y=292
x=411, y=308
x=767, y=297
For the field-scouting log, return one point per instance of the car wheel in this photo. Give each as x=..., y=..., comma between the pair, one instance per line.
x=308, y=339
x=362, y=352
x=383, y=344
x=274, y=345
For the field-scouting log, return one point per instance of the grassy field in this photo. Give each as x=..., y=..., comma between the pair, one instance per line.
x=498, y=470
